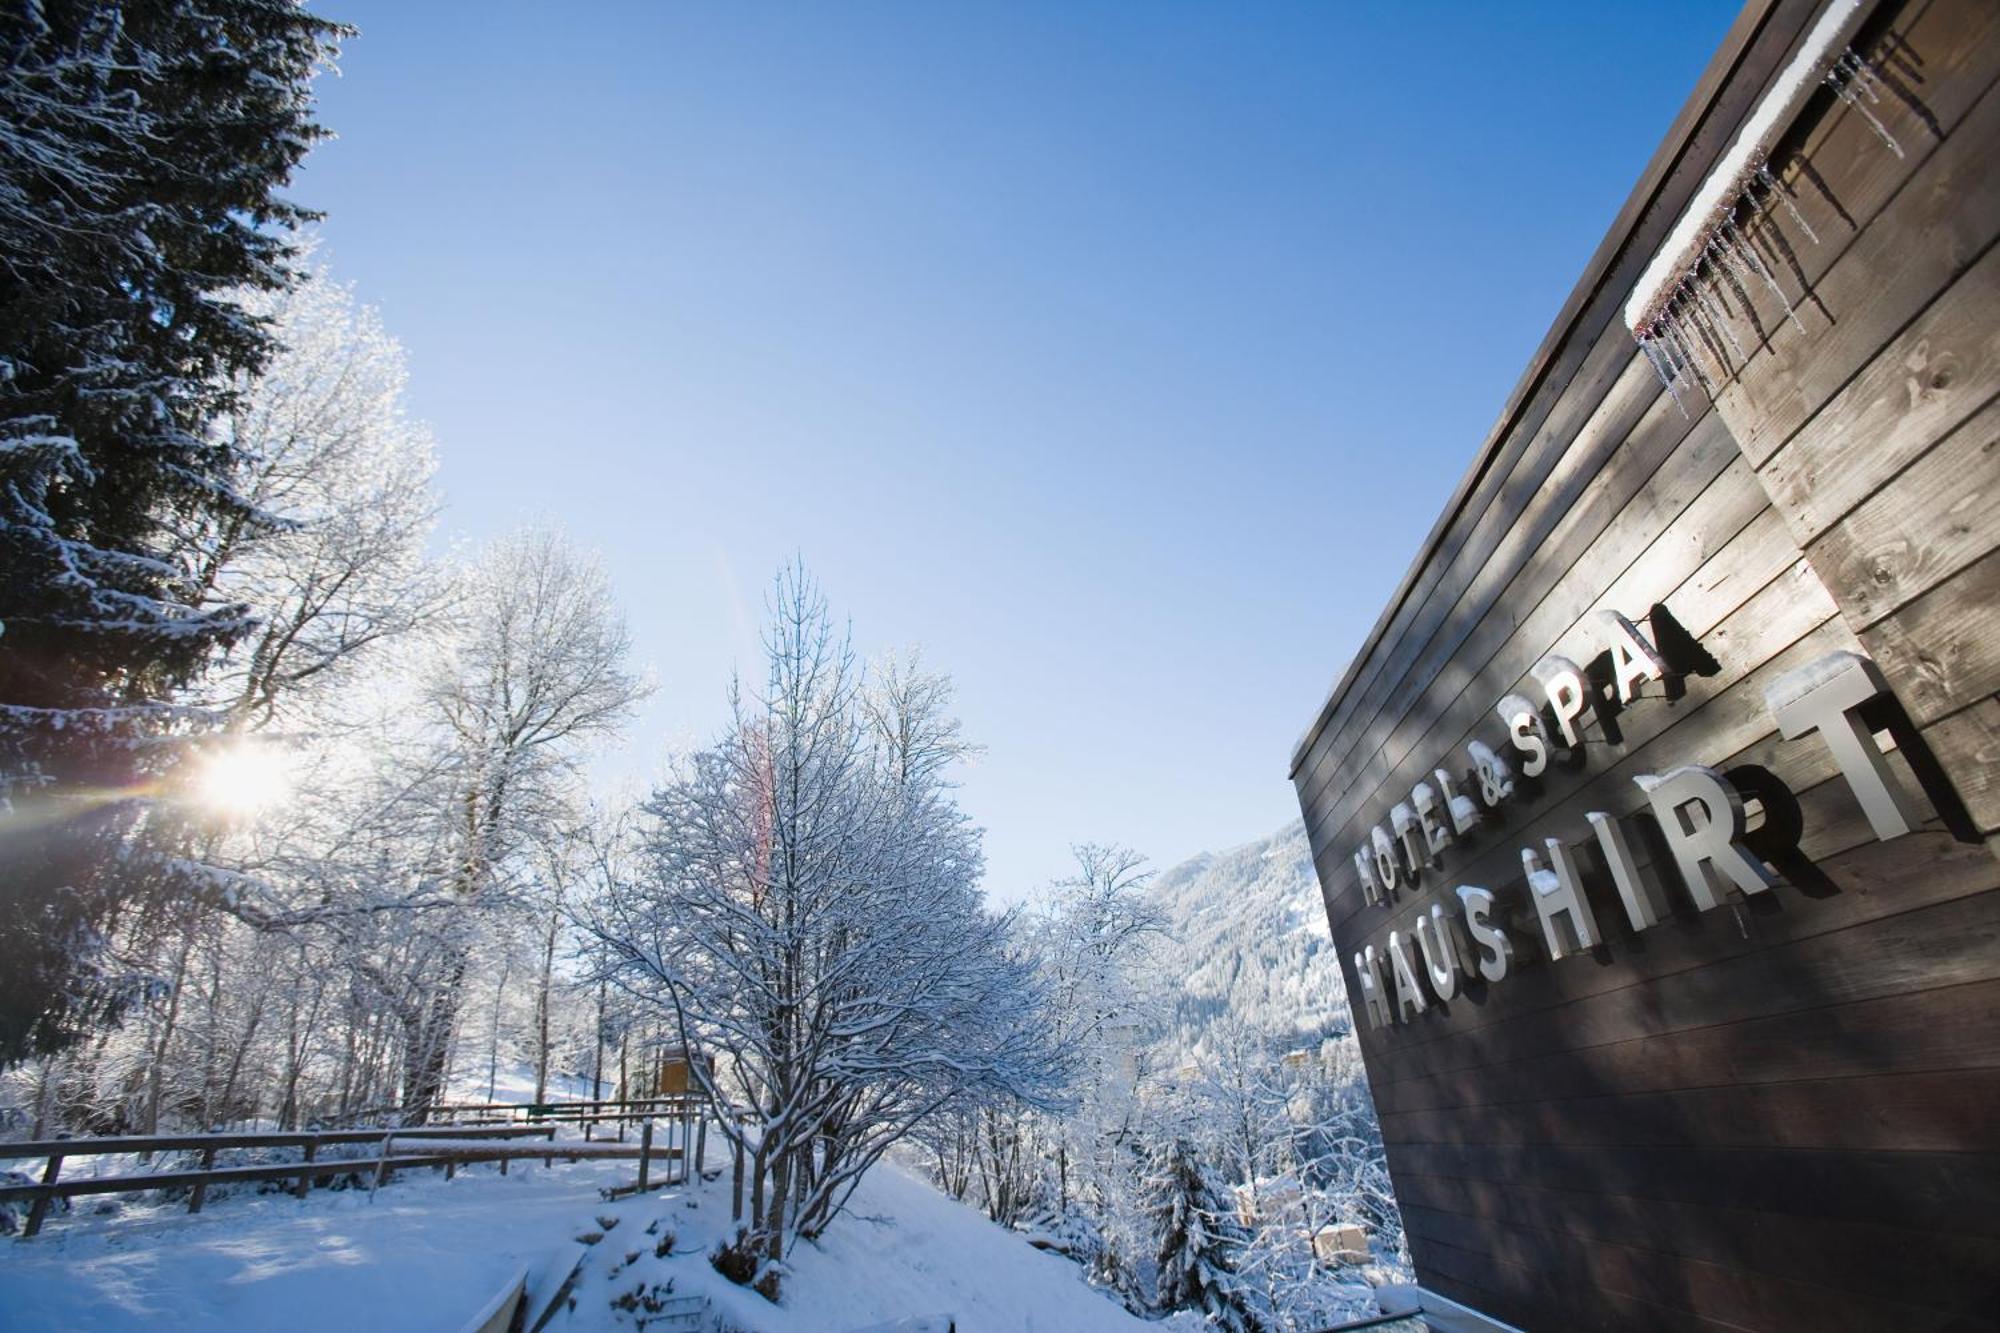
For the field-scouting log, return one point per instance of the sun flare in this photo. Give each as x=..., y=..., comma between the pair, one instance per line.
x=243, y=780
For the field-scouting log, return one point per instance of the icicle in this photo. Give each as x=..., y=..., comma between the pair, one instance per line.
x=1697, y=325
x=1707, y=263
x=1668, y=354
x=1748, y=252
x=1784, y=196
x=1653, y=360
x=1841, y=79
x=1669, y=335
x=1728, y=270
x=1870, y=78
x=1698, y=281
x=1649, y=344
x=1719, y=320
x=1857, y=73
x=1680, y=339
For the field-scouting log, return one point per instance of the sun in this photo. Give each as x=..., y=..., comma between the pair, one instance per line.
x=242, y=779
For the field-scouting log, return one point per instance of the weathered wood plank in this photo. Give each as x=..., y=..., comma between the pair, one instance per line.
x=1936, y=1112
x=1921, y=1192
x=1721, y=1285
x=1845, y=182
x=1541, y=1292
x=1967, y=745
x=1928, y=1031
x=1941, y=514
x=1934, y=375
x=1947, y=1272
x=1721, y=1291
x=1942, y=651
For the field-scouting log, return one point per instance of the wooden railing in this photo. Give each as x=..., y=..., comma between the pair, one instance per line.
x=585, y=1113
x=685, y=1112
x=499, y=1133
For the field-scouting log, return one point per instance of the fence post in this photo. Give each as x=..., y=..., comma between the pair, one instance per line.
x=39, y=1209
x=382, y=1165
x=305, y=1177
x=201, y=1186
x=645, y=1153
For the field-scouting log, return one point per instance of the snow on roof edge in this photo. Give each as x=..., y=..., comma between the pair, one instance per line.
x=1724, y=183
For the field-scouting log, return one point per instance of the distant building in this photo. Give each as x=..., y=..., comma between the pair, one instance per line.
x=1341, y=1246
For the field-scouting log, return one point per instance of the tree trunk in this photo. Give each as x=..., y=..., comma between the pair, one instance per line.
x=597, y=1066
x=774, y=1221
x=493, y=1037
x=242, y=1050
x=542, y=1011
x=426, y=1062
x=737, y=1181
x=155, y=1077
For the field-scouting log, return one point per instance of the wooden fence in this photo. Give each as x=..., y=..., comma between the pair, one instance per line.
x=498, y=1133
x=684, y=1112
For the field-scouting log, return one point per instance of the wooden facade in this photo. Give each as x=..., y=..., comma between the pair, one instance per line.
x=1782, y=1113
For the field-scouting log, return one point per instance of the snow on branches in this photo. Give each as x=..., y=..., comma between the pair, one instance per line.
x=808, y=911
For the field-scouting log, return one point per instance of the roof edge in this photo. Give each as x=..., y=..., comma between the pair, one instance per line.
x=1639, y=206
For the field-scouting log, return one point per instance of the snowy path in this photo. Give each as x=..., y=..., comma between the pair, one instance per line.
x=422, y=1255
x=427, y=1252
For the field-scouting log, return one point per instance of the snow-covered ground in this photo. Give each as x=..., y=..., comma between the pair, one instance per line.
x=426, y=1253
x=514, y=1082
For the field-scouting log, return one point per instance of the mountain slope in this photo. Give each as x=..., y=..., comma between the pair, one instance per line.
x=1247, y=939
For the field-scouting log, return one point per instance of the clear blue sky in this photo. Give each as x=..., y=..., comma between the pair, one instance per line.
x=1118, y=354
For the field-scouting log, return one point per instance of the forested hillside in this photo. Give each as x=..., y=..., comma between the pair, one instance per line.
x=1246, y=940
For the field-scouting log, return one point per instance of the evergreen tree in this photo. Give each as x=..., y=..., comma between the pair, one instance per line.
x=141, y=148
x=1198, y=1241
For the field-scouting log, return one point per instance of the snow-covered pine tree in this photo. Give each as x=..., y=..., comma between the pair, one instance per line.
x=141, y=148
x=1198, y=1241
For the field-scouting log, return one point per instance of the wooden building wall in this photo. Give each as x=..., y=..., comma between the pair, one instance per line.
x=1785, y=1113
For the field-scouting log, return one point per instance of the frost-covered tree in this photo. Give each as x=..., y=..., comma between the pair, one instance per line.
x=1067, y=1169
x=810, y=914
x=327, y=557
x=1094, y=939
x=142, y=146
x=324, y=448
x=534, y=669
x=1198, y=1244
x=1239, y=1096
